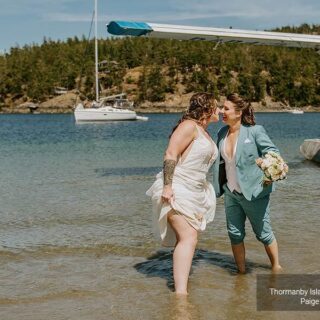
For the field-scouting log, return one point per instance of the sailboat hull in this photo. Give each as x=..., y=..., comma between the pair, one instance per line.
x=103, y=114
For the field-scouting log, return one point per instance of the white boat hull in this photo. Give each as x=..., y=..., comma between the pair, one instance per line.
x=103, y=114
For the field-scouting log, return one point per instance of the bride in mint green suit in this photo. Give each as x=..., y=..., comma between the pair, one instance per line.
x=237, y=176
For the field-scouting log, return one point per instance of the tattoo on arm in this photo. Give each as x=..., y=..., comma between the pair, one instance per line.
x=168, y=170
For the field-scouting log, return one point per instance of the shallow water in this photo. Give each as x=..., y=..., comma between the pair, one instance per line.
x=76, y=236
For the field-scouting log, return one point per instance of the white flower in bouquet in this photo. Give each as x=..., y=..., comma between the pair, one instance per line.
x=273, y=167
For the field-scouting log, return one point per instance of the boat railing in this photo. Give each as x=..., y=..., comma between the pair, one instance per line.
x=116, y=102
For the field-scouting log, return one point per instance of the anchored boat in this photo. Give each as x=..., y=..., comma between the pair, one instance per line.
x=111, y=108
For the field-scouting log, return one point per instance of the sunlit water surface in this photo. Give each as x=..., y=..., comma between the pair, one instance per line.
x=76, y=236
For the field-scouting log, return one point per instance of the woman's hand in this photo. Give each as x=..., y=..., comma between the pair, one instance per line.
x=167, y=194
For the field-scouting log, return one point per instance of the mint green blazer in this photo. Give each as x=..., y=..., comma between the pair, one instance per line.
x=253, y=142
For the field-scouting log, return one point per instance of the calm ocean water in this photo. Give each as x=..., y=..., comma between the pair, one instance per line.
x=76, y=236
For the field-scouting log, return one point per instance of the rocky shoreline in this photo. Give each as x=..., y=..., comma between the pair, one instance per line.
x=174, y=103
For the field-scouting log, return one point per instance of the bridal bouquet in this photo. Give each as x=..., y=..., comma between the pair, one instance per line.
x=273, y=167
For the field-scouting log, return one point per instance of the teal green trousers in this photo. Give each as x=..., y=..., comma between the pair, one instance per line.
x=238, y=208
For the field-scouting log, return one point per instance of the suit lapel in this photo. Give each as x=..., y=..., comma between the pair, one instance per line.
x=241, y=139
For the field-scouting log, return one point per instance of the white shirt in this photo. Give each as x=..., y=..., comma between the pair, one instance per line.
x=231, y=170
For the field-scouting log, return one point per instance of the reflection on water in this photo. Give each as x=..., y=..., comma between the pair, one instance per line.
x=182, y=308
x=131, y=171
x=160, y=264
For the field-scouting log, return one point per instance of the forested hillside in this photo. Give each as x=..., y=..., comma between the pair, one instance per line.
x=153, y=70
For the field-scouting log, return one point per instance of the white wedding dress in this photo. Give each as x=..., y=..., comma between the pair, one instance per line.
x=194, y=196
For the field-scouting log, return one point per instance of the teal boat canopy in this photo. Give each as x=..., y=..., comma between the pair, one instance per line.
x=179, y=32
x=127, y=28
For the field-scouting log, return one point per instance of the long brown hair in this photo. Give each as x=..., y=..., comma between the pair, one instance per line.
x=202, y=106
x=247, y=117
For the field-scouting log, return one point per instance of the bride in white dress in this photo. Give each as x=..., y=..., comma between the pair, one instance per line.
x=183, y=200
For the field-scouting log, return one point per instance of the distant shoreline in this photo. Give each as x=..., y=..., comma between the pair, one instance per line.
x=166, y=111
x=173, y=104
x=256, y=111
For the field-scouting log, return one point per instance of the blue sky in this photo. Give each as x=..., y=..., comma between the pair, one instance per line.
x=29, y=21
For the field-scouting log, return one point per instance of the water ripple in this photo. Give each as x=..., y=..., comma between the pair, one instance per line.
x=128, y=171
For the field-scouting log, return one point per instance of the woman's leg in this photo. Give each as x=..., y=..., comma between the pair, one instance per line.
x=273, y=254
x=183, y=251
x=236, y=218
x=258, y=212
x=239, y=254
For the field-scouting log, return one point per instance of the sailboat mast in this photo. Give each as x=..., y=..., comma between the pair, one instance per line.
x=96, y=49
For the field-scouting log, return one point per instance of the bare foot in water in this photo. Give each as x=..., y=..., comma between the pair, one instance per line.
x=277, y=269
x=181, y=293
x=241, y=272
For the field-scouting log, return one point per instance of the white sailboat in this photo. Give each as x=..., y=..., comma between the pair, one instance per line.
x=111, y=108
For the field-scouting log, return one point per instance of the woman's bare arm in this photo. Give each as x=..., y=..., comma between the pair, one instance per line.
x=179, y=141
